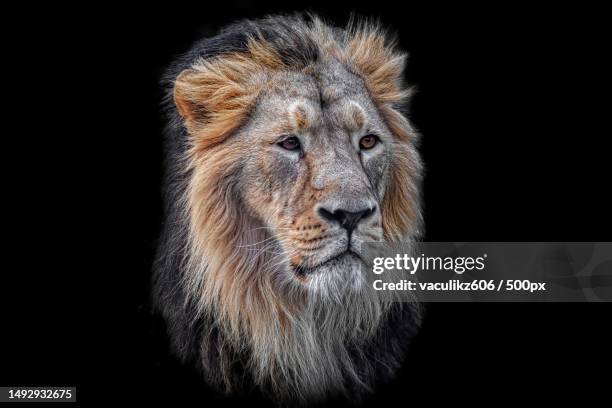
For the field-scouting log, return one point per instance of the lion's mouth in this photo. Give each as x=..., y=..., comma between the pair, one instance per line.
x=302, y=270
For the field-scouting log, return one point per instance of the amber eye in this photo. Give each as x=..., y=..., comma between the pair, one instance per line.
x=290, y=143
x=367, y=142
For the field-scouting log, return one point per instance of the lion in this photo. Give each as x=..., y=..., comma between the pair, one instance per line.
x=286, y=149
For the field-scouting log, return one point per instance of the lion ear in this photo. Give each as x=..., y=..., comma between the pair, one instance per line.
x=379, y=62
x=214, y=97
x=190, y=96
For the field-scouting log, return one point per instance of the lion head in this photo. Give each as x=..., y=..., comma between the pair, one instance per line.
x=287, y=151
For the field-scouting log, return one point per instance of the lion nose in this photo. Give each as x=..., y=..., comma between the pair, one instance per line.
x=346, y=219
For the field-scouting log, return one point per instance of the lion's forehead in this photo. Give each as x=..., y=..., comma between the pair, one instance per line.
x=327, y=97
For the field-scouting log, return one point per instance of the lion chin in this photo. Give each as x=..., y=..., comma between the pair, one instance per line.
x=337, y=274
x=286, y=152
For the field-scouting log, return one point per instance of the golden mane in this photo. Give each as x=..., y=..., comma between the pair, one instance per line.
x=233, y=285
x=214, y=97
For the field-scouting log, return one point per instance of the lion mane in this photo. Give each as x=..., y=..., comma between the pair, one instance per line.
x=226, y=309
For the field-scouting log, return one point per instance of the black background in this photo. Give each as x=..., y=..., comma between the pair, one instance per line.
x=508, y=105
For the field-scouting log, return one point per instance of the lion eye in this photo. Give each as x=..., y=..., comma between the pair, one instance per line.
x=290, y=143
x=367, y=142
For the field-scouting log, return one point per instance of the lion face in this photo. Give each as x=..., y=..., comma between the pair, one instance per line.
x=316, y=151
x=290, y=154
x=316, y=168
